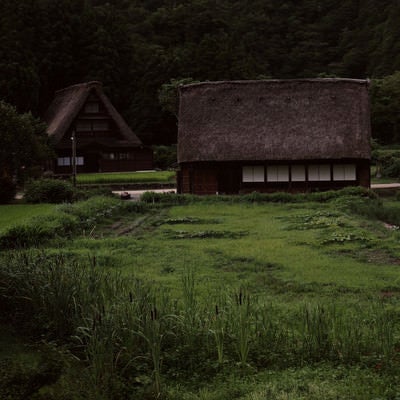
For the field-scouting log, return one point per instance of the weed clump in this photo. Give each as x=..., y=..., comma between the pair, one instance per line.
x=49, y=191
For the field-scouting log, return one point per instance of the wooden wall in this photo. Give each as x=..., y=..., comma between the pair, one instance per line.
x=226, y=178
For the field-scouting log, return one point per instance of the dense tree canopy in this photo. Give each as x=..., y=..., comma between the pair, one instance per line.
x=23, y=143
x=134, y=47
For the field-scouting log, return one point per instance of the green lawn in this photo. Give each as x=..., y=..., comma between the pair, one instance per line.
x=309, y=271
x=14, y=214
x=127, y=177
x=299, y=244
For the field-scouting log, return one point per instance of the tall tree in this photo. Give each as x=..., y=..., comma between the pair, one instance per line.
x=23, y=142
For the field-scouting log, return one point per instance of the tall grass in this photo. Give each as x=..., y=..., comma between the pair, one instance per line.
x=122, y=329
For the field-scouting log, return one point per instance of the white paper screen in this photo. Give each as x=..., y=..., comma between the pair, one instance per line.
x=298, y=173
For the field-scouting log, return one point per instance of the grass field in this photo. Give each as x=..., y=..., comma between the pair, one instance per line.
x=245, y=301
x=19, y=213
x=127, y=177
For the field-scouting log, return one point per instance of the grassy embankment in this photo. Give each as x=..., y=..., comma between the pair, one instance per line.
x=127, y=177
x=224, y=300
x=19, y=213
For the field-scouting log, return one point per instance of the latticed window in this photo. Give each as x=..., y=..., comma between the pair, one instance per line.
x=298, y=173
x=63, y=161
x=277, y=173
x=253, y=173
x=319, y=172
x=344, y=172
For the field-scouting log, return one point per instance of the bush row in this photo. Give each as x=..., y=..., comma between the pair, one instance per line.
x=255, y=197
x=58, y=191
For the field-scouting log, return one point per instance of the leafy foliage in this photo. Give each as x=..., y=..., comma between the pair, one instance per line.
x=165, y=157
x=8, y=189
x=141, y=50
x=168, y=95
x=49, y=191
x=23, y=143
x=385, y=97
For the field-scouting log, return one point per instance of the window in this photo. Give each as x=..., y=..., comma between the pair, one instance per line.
x=89, y=126
x=344, y=172
x=319, y=172
x=278, y=173
x=83, y=126
x=109, y=156
x=92, y=108
x=253, y=174
x=298, y=173
x=67, y=161
x=63, y=161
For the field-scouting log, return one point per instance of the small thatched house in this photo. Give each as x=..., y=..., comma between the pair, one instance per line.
x=103, y=140
x=287, y=135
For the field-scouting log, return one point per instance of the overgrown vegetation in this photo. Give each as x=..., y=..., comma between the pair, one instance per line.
x=48, y=191
x=23, y=146
x=67, y=220
x=245, y=299
x=255, y=197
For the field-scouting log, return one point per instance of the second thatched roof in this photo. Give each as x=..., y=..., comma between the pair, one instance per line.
x=67, y=105
x=274, y=120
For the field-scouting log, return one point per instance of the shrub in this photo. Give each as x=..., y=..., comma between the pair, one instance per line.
x=167, y=198
x=388, y=162
x=391, y=168
x=164, y=156
x=49, y=191
x=92, y=209
x=8, y=190
x=85, y=194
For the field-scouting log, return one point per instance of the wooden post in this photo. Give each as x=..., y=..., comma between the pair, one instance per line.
x=73, y=139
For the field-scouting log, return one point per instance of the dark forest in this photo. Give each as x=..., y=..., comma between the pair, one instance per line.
x=134, y=47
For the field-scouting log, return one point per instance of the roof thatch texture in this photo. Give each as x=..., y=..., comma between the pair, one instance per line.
x=274, y=120
x=67, y=104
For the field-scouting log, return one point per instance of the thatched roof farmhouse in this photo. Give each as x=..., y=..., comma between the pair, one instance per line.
x=294, y=135
x=104, y=141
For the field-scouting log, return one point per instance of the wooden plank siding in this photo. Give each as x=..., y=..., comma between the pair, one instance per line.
x=226, y=177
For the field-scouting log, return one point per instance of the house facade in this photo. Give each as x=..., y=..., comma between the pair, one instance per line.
x=84, y=126
x=273, y=135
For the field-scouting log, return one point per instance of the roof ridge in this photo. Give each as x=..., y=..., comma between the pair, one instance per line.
x=87, y=85
x=279, y=81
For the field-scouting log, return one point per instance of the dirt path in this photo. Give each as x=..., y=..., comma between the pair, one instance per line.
x=385, y=186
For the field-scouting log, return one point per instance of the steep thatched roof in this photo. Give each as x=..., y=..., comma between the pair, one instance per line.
x=68, y=103
x=274, y=120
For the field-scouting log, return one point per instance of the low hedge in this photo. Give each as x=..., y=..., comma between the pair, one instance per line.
x=49, y=191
